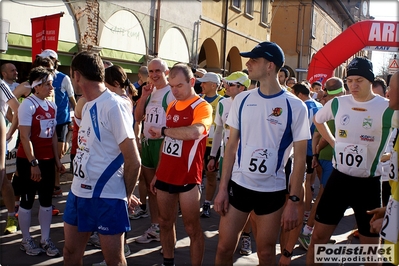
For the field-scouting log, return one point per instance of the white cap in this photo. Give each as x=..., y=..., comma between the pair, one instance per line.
x=210, y=77
x=48, y=53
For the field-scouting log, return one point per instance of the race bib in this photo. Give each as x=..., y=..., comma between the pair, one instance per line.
x=47, y=127
x=80, y=162
x=393, y=167
x=155, y=115
x=259, y=160
x=390, y=225
x=352, y=155
x=172, y=147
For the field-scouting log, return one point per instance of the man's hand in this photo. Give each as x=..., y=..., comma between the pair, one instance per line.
x=152, y=185
x=221, y=203
x=133, y=201
x=377, y=219
x=289, y=218
x=155, y=132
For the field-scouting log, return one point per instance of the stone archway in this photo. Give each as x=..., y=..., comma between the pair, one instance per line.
x=208, y=57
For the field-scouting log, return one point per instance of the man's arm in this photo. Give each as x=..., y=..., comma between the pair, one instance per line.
x=132, y=164
x=13, y=104
x=325, y=132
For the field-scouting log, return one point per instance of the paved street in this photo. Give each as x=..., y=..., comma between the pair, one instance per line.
x=142, y=254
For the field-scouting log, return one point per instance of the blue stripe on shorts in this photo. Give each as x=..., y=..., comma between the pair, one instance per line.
x=106, y=216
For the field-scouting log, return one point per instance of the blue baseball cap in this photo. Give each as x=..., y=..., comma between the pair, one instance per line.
x=268, y=50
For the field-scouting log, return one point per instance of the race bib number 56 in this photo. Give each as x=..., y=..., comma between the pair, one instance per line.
x=259, y=160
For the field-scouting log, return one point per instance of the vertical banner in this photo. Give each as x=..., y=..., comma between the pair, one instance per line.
x=45, y=33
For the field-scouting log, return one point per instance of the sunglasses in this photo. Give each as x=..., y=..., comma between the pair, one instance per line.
x=231, y=84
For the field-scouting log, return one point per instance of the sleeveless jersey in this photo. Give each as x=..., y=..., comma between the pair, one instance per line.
x=268, y=124
x=98, y=164
x=213, y=102
x=361, y=133
x=61, y=99
x=155, y=110
x=42, y=130
x=182, y=156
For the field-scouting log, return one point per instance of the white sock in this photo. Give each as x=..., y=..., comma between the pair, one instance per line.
x=45, y=216
x=24, y=218
x=207, y=201
x=307, y=230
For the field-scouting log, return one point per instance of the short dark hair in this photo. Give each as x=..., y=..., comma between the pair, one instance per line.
x=316, y=83
x=380, y=81
x=89, y=65
x=286, y=72
x=39, y=73
x=301, y=87
x=43, y=61
x=118, y=74
x=183, y=68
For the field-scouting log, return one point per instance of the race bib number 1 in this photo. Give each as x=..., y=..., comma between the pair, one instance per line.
x=172, y=147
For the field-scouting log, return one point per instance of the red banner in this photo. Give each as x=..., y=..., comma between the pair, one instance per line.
x=45, y=33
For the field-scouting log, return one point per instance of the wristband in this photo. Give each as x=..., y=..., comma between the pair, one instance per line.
x=163, y=131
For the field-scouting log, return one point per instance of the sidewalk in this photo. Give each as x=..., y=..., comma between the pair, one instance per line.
x=143, y=254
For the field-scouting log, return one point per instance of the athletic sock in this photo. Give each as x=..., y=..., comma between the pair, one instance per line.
x=24, y=219
x=207, y=201
x=45, y=216
x=168, y=262
x=307, y=230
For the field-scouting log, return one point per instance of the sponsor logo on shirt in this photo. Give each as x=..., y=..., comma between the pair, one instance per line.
x=100, y=227
x=176, y=118
x=343, y=133
x=359, y=109
x=85, y=186
x=367, y=138
x=345, y=120
x=367, y=122
x=277, y=111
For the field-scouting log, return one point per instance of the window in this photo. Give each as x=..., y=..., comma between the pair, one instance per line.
x=236, y=4
x=264, y=12
x=314, y=23
x=249, y=7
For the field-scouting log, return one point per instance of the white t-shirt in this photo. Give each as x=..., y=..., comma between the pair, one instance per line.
x=362, y=130
x=98, y=164
x=268, y=124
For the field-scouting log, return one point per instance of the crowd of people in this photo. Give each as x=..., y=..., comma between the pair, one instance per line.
x=255, y=140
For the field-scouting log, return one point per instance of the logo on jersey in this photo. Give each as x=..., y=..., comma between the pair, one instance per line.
x=367, y=123
x=359, y=109
x=176, y=118
x=85, y=186
x=353, y=149
x=88, y=132
x=345, y=120
x=342, y=133
x=261, y=153
x=48, y=115
x=367, y=138
x=277, y=111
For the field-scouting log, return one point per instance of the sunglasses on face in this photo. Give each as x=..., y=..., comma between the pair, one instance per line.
x=231, y=84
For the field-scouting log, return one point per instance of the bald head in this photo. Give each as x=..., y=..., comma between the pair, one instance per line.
x=9, y=73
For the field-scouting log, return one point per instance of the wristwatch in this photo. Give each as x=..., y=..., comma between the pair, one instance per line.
x=287, y=254
x=163, y=131
x=34, y=162
x=212, y=158
x=294, y=198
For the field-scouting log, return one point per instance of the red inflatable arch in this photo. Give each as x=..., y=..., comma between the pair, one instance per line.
x=350, y=41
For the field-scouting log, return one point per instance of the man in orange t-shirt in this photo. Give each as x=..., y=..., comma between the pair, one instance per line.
x=179, y=173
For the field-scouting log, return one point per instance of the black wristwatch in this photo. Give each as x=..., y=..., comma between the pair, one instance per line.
x=212, y=158
x=163, y=131
x=294, y=198
x=287, y=254
x=34, y=162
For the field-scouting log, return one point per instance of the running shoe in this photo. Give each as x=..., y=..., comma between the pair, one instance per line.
x=138, y=213
x=246, y=246
x=152, y=234
x=57, y=193
x=12, y=225
x=206, y=210
x=54, y=211
x=30, y=247
x=304, y=240
x=50, y=248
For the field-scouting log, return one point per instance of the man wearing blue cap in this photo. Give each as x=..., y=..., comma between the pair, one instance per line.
x=263, y=123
